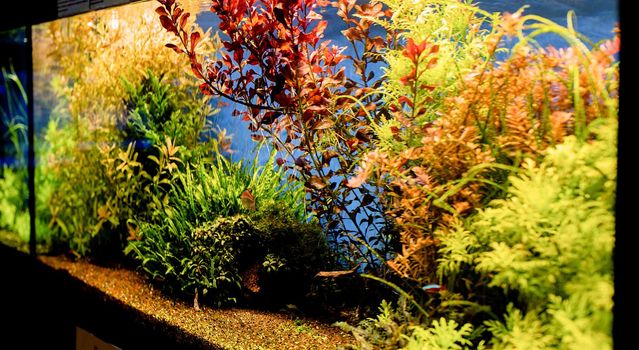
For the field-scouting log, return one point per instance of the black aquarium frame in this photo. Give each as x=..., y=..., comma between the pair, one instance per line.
x=29, y=12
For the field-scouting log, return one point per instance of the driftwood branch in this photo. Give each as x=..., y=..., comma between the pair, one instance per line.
x=337, y=274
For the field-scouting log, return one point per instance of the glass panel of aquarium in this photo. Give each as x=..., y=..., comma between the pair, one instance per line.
x=115, y=114
x=14, y=192
x=250, y=149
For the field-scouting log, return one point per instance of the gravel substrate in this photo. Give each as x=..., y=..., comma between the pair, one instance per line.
x=230, y=328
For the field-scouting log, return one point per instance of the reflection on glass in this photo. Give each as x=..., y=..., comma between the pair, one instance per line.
x=107, y=98
x=14, y=194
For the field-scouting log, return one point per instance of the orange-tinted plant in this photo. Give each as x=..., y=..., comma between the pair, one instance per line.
x=504, y=111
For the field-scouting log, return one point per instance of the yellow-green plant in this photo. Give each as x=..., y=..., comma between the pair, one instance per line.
x=549, y=243
x=98, y=183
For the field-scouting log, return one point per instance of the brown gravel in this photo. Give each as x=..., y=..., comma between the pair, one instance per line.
x=232, y=328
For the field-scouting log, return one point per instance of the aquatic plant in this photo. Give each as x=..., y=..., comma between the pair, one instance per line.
x=14, y=192
x=14, y=214
x=218, y=226
x=515, y=272
x=444, y=155
x=100, y=173
x=291, y=88
x=534, y=242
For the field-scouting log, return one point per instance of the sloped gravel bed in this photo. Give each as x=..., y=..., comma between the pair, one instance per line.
x=228, y=328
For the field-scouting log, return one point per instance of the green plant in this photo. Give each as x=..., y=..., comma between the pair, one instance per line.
x=548, y=245
x=442, y=335
x=14, y=193
x=387, y=330
x=212, y=231
x=454, y=134
x=156, y=109
x=301, y=327
x=295, y=249
x=96, y=177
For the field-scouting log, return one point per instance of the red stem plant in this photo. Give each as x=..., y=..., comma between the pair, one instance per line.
x=291, y=87
x=435, y=136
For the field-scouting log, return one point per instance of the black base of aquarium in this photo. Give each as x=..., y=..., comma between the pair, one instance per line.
x=41, y=307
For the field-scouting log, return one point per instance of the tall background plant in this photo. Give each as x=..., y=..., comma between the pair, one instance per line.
x=114, y=124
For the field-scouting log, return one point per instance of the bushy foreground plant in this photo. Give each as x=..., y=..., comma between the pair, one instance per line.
x=546, y=249
x=225, y=225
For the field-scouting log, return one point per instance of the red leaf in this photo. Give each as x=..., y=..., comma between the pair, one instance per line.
x=280, y=161
x=278, y=11
x=167, y=24
x=301, y=162
x=247, y=199
x=238, y=55
x=174, y=48
x=404, y=99
x=270, y=117
x=408, y=79
x=327, y=156
x=315, y=182
x=183, y=20
x=161, y=11
x=319, y=30
x=427, y=87
x=323, y=124
x=195, y=38
x=413, y=51
x=177, y=13
x=196, y=68
x=353, y=34
x=206, y=89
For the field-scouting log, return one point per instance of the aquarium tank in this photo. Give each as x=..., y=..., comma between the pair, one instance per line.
x=427, y=174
